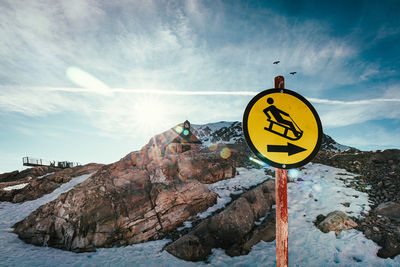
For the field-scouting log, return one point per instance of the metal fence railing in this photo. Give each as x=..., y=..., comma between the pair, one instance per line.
x=27, y=161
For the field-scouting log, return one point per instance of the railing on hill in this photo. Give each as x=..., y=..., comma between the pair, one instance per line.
x=27, y=161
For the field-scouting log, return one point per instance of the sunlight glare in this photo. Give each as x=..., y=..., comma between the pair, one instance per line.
x=151, y=114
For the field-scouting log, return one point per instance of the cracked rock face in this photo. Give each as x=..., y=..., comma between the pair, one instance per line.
x=139, y=198
x=233, y=229
x=116, y=206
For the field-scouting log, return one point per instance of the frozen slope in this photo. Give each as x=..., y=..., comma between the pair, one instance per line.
x=307, y=245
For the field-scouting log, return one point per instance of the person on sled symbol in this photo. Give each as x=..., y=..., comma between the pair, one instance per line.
x=277, y=114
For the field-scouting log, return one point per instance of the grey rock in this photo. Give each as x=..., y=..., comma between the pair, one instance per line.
x=389, y=209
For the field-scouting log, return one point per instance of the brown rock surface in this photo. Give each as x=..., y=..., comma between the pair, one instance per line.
x=265, y=232
x=139, y=198
x=336, y=221
x=206, y=166
x=232, y=229
x=119, y=205
x=39, y=186
x=23, y=175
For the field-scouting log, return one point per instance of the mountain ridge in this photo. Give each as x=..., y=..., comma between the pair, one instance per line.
x=225, y=132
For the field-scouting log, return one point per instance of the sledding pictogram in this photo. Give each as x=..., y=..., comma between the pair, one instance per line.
x=282, y=128
x=278, y=125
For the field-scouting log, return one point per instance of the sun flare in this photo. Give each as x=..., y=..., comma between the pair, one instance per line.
x=151, y=114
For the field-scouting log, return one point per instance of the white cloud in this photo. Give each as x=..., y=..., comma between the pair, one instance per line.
x=339, y=113
x=38, y=101
x=379, y=138
x=188, y=54
x=164, y=46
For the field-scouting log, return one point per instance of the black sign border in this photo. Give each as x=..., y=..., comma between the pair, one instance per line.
x=254, y=149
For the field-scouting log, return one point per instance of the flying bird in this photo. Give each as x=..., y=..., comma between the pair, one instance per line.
x=293, y=73
x=276, y=62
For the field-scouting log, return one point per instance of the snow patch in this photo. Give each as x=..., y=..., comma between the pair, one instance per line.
x=15, y=187
x=339, y=147
x=219, y=133
x=40, y=177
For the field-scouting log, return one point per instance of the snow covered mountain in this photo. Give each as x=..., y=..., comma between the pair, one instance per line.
x=224, y=132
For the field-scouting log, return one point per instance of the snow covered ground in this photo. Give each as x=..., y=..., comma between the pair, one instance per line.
x=319, y=193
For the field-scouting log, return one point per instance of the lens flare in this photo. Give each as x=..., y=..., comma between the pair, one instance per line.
x=86, y=80
x=213, y=147
x=317, y=188
x=225, y=153
x=178, y=129
x=293, y=173
x=259, y=162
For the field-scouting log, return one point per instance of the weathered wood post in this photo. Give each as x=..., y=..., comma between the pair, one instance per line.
x=281, y=205
x=282, y=144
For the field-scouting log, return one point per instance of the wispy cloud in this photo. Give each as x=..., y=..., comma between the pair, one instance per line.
x=138, y=46
x=33, y=102
x=188, y=55
x=115, y=112
x=379, y=138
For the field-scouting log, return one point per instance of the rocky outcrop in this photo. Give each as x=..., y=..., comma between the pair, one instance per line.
x=119, y=205
x=336, y=221
x=139, y=198
x=41, y=185
x=26, y=174
x=233, y=229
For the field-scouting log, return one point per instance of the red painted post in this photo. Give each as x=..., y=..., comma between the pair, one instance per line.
x=282, y=258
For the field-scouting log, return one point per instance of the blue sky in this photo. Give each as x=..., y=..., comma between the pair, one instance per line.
x=91, y=81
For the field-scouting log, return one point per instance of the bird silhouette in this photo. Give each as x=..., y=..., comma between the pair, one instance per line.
x=293, y=73
x=276, y=62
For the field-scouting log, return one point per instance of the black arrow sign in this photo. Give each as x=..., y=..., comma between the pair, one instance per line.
x=289, y=148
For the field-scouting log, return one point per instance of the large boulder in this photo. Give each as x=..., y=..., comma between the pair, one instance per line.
x=233, y=229
x=390, y=248
x=116, y=206
x=388, y=209
x=265, y=232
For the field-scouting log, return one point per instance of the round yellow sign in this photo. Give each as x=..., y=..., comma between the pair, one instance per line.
x=282, y=128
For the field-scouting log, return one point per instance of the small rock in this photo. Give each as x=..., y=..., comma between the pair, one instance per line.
x=336, y=221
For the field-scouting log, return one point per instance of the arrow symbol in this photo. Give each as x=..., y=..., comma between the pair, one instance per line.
x=289, y=148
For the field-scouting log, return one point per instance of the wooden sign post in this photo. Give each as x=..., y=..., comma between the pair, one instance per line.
x=281, y=218
x=283, y=130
